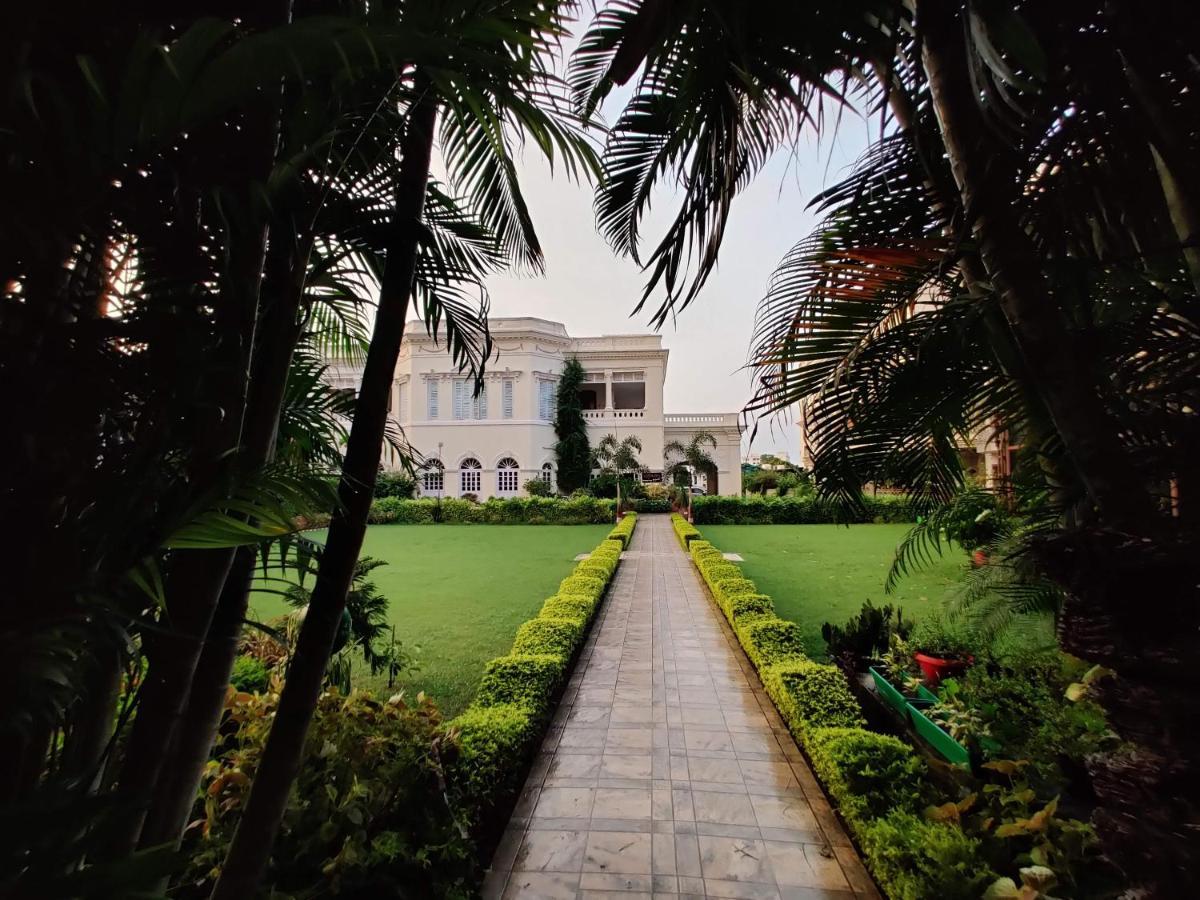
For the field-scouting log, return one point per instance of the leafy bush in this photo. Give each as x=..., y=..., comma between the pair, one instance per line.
x=568, y=606
x=768, y=641
x=537, y=487
x=596, y=567
x=527, y=681
x=726, y=589
x=684, y=530
x=573, y=510
x=395, y=484
x=543, y=635
x=493, y=742
x=915, y=860
x=249, y=675
x=749, y=606
x=868, y=634
x=373, y=821
x=939, y=637
x=867, y=774
x=651, y=504
x=623, y=531
x=586, y=585
x=800, y=510
x=811, y=695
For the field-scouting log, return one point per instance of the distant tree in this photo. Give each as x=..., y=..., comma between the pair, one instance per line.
x=573, y=451
x=617, y=461
x=694, y=458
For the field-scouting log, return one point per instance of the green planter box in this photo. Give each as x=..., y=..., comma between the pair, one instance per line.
x=890, y=695
x=933, y=734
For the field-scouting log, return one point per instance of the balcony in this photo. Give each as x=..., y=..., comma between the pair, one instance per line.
x=689, y=420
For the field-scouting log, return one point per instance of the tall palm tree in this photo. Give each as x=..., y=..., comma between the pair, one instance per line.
x=694, y=458
x=498, y=84
x=1015, y=246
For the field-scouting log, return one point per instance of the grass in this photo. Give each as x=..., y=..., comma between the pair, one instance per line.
x=823, y=573
x=458, y=593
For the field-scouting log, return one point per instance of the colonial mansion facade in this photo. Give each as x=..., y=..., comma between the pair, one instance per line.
x=490, y=445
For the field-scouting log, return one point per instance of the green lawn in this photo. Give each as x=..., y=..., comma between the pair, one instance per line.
x=823, y=573
x=458, y=592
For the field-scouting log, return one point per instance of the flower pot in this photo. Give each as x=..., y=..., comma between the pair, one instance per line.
x=932, y=733
x=935, y=668
x=887, y=691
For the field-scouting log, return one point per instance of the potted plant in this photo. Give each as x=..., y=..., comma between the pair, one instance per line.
x=941, y=650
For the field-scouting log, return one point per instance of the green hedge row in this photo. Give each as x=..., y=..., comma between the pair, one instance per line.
x=717, y=510
x=510, y=511
x=878, y=782
x=623, y=531
x=500, y=729
x=684, y=530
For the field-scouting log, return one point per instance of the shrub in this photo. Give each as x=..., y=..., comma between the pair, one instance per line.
x=867, y=774
x=568, y=606
x=749, y=606
x=914, y=859
x=249, y=675
x=598, y=567
x=373, y=821
x=394, y=484
x=684, y=530
x=768, y=641
x=811, y=695
x=581, y=510
x=586, y=585
x=537, y=487
x=493, y=742
x=652, y=504
x=527, y=681
x=802, y=510
x=623, y=531
x=866, y=635
x=715, y=570
x=544, y=635
x=727, y=588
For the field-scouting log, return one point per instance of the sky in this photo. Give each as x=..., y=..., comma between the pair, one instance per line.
x=592, y=291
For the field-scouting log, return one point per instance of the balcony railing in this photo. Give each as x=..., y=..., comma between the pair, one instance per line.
x=700, y=419
x=614, y=414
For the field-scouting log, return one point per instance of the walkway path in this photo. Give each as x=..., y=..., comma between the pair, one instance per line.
x=667, y=772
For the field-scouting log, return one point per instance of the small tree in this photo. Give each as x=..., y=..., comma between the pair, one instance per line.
x=618, y=459
x=693, y=458
x=572, y=450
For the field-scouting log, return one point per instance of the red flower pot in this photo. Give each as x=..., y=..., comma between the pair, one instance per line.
x=934, y=668
x=979, y=559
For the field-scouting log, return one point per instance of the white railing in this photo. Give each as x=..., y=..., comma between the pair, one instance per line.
x=614, y=414
x=701, y=419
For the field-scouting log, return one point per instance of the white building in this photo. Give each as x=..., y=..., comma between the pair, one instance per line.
x=492, y=444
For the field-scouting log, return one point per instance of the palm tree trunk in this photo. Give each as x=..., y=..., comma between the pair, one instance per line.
x=251, y=847
x=286, y=270
x=1063, y=374
x=1148, y=792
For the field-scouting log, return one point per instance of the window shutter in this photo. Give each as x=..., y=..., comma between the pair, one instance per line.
x=460, y=399
x=400, y=391
x=481, y=404
x=431, y=397
x=506, y=398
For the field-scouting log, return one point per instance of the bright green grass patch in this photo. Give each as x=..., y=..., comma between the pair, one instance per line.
x=459, y=592
x=824, y=573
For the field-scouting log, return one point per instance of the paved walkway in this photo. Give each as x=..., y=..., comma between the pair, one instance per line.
x=667, y=772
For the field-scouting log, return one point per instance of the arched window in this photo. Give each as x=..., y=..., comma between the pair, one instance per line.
x=548, y=474
x=470, y=475
x=507, y=476
x=433, y=475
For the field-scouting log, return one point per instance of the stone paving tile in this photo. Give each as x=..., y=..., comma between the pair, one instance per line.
x=666, y=771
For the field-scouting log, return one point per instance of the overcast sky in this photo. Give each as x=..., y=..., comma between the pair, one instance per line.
x=593, y=291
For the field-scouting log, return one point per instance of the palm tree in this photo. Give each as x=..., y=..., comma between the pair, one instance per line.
x=694, y=459
x=617, y=459
x=496, y=84
x=1017, y=247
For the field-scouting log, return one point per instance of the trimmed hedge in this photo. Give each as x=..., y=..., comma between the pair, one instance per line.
x=719, y=510
x=623, y=531
x=496, y=511
x=499, y=731
x=878, y=782
x=684, y=530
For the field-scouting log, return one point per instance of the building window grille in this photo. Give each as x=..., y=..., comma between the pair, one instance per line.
x=471, y=476
x=507, y=475
x=433, y=478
